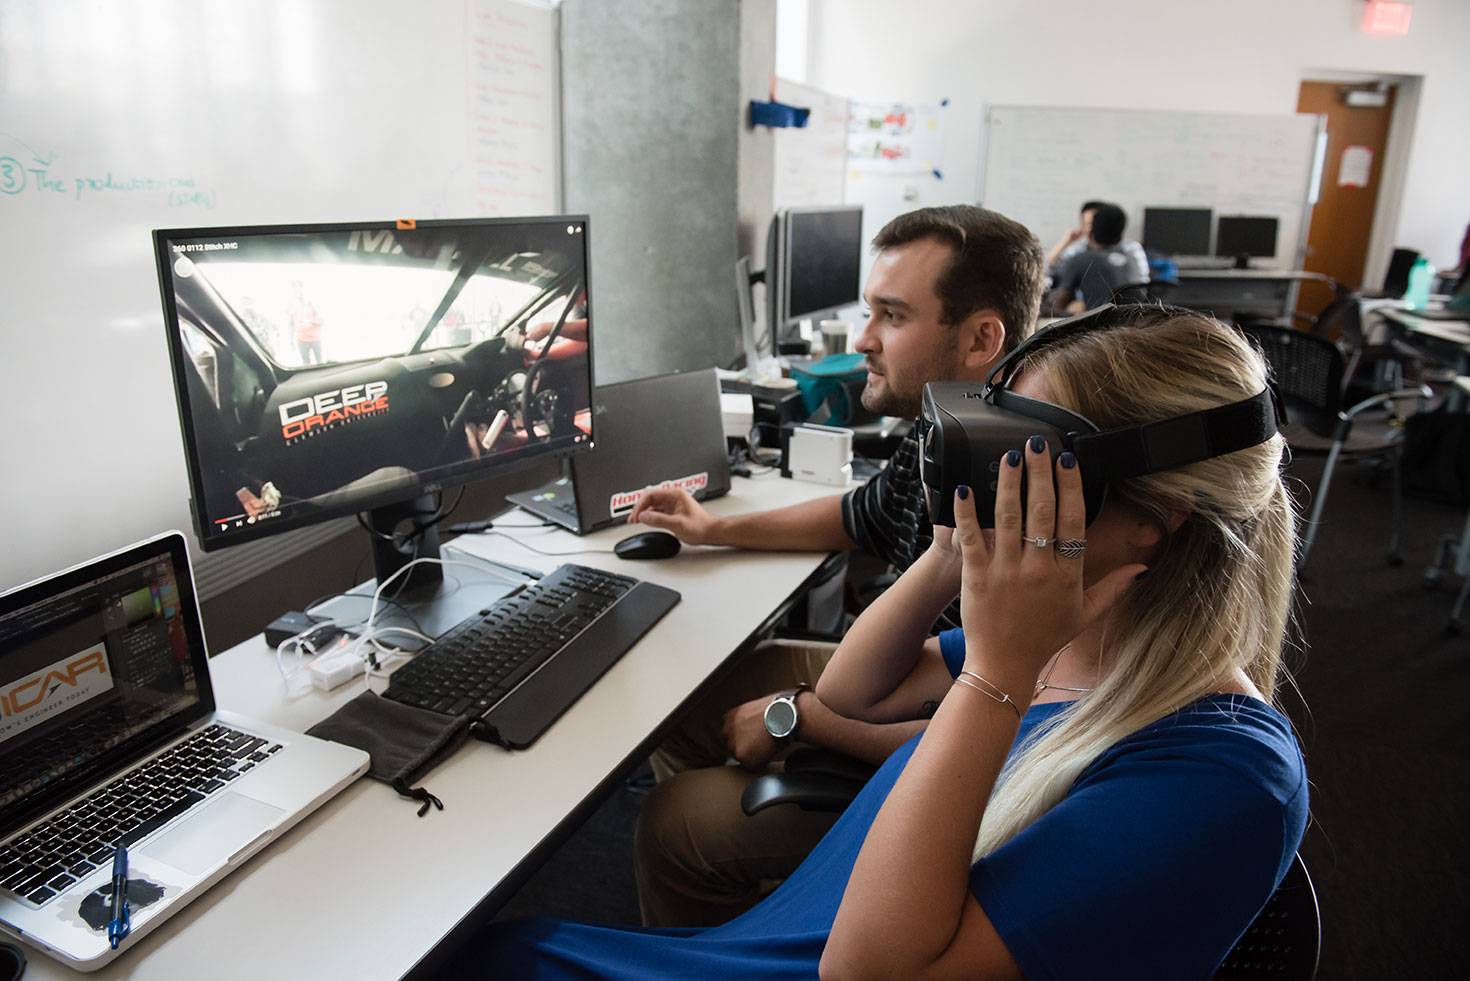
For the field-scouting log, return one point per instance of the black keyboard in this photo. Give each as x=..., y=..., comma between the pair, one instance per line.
x=46, y=859
x=518, y=665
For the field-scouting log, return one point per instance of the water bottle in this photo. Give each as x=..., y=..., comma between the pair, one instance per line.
x=1416, y=297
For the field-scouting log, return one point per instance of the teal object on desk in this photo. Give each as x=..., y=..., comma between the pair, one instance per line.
x=1421, y=276
x=836, y=382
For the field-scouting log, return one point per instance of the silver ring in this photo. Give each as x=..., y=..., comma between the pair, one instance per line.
x=1071, y=548
x=1038, y=541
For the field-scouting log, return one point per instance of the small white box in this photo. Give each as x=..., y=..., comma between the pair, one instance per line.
x=738, y=410
x=820, y=454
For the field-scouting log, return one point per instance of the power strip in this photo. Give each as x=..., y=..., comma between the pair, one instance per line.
x=335, y=667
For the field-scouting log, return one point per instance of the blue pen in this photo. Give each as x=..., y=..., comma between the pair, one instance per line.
x=120, y=924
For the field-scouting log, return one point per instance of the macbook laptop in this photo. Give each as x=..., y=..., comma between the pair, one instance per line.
x=109, y=734
x=666, y=430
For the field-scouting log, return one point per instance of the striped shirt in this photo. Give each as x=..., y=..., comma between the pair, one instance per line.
x=887, y=516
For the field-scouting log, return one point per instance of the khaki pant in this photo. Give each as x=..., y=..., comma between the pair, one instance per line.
x=700, y=859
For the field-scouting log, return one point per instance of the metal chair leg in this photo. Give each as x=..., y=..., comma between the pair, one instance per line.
x=1395, y=556
x=1457, y=612
x=1309, y=534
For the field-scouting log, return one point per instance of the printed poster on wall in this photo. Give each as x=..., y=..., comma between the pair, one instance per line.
x=894, y=138
x=1355, y=167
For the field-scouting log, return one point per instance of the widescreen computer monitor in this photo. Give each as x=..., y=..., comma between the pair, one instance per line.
x=1246, y=237
x=814, y=262
x=1177, y=231
x=325, y=370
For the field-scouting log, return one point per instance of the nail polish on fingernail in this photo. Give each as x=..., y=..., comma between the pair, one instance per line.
x=1037, y=443
x=1142, y=575
x=1068, y=459
x=1013, y=458
x=963, y=490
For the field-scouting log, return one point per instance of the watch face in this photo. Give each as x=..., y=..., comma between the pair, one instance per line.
x=781, y=717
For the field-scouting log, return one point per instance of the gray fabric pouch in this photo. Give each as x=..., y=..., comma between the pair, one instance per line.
x=404, y=742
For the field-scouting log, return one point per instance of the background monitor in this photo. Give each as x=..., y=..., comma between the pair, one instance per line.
x=813, y=263
x=745, y=311
x=323, y=370
x=1246, y=237
x=1177, y=231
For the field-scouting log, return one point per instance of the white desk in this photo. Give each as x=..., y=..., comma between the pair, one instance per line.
x=1454, y=335
x=1445, y=341
x=364, y=888
x=1227, y=293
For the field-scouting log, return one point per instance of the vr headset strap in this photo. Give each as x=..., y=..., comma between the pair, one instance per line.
x=1169, y=443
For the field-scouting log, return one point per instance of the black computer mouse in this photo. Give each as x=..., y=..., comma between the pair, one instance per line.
x=647, y=545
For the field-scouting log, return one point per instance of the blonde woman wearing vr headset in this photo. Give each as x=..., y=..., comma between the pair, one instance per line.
x=1105, y=789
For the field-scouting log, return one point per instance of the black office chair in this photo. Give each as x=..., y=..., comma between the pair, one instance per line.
x=1396, y=280
x=1370, y=368
x=814, y=779
x=1132, y=293
x=1284, y=940
x=1308, y=373
x=1153, y=291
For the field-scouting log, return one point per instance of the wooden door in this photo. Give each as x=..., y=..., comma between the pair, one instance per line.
x=1337, y=240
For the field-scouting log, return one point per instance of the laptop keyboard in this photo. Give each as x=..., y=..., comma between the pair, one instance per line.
x=525, y=660
x=46, y=859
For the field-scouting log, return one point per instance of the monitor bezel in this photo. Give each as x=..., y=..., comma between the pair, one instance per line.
x=1238, y=221
x=787, y=217
x=1208, y=215
x=210, y=539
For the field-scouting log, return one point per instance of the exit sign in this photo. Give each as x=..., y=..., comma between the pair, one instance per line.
x=1386, y=17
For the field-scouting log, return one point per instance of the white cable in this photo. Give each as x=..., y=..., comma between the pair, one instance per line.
x=300, y=645
x=542, y=551
x=367, y=636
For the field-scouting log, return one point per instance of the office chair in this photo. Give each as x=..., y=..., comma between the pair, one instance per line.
x=1308, y=373
x=1131, y=293
x=814, y=779
x=1370, y=368
x=1153, y=291
x=1284, y=941
x=1396, y=280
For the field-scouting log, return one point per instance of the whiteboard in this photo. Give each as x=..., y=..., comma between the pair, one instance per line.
x=118, y=118
x=810, y=161
x=1042, y=164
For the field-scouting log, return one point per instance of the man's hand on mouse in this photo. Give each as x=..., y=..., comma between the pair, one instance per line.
x=674, y=510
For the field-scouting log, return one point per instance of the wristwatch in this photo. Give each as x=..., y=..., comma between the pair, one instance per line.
x=781, y=715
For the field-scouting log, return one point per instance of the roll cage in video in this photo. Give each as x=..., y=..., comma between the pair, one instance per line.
x=340, y=367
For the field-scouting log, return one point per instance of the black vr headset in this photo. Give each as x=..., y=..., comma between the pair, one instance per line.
x=966, y=431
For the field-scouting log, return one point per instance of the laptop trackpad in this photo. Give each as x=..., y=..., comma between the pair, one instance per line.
x=213, y=834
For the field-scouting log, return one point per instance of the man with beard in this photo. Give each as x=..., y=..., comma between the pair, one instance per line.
x=952, y=290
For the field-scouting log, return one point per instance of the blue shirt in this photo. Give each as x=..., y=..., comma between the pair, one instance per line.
x=1155, y=862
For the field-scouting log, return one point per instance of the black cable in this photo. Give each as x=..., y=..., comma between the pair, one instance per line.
x=419, y=527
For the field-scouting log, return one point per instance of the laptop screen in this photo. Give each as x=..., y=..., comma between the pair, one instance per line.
x=97, y=664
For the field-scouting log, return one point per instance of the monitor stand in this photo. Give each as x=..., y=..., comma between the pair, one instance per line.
x=393, y=550
x=435, y=597
x=1242, y=261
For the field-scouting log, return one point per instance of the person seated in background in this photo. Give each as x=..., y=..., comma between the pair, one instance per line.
x=1106, y=789
x=1095, y=273
x=951, y=290
x=1074, y=241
